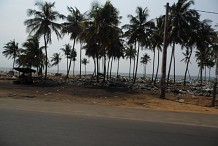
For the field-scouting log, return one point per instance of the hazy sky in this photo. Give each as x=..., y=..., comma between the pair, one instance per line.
x=13, y=14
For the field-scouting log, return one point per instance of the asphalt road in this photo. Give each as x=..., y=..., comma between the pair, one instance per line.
x=31, y=128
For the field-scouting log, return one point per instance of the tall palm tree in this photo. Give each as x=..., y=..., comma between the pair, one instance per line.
x=85, y=62
x=181, y=18
x=72, y=57
x=187, y=55
x=43, y=23
x=73, y=27
x=201, y=57
x=138, y=31
x=91, y=52
x=118, y=53
x=156, y=43
x=144, y=60
x=205, y=39
x=67, y=49
x=11, y=50
x=130, y=54
x=102, y=31
x=56, y=59
x=211, y=63
x=189, y=43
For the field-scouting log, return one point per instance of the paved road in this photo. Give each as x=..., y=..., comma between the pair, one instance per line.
x=32, y=128
x=206, y=120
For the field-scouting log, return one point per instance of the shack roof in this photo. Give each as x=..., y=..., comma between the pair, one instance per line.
x=25, y=70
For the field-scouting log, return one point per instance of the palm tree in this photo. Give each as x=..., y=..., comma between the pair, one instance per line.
x=201, y=56
x=130, y=54
x=118, y=53
x=156, y=41
x=73, y=27
x=189, y=44
x=181, y=18
x=187, y=55
x=66, y=50
x=31, y=55
x=56, y=59
x=91, y=52
x=85, y=62
x=138, y=31
x=43, y=23
x=11, y=50
x=72, y=57
x=102, y=31
x=144, y=60
x=205, y=39
x=211, y=63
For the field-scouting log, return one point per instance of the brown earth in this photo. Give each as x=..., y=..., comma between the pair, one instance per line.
x=112, y=97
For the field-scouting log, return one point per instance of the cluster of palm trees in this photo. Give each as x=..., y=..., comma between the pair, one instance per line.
x=99, y=33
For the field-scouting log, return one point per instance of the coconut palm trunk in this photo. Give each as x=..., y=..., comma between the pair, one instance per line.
x=118, y=67
x=80, y=58
x=111, y=66
x=158, y=63
x=73, y=68
x=130, y=64
x=137, y=61
x=68, y=70
x=205, y=73
x=97, y=66
x=46, y=56
x=105, y=62
x=154, y=57
x=108, y=67
x=171, y=59
x=201, y=70
x=187, y=65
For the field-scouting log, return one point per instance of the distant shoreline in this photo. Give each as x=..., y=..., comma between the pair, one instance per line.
x=178, y=77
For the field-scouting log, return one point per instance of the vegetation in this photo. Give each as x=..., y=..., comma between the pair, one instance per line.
x=11, y=51
x=43, y=23
x=106, y=41
x=56, y=58
x=144, y=60
x=85, y=62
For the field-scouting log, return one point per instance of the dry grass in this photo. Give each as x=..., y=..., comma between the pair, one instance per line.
x=113, y=97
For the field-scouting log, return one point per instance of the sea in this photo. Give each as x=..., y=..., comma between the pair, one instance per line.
x=178, y=77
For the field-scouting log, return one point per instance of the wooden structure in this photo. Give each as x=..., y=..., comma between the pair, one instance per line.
x=25, y=77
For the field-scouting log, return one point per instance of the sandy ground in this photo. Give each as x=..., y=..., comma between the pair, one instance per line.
x=86, y=95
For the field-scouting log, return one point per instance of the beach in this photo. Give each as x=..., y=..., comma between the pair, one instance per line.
x=77, y=91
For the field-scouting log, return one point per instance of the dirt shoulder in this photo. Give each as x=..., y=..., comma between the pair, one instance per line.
x=143, y=99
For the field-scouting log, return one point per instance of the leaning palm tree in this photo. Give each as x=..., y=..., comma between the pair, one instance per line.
x=187, y=54
x=144, y=60
x=189, y=44
x=73, y=27
x=130, y=54
x=56, y=59
x=85, y=62
x=67, y=48
x=181, y=18
x=206, y=37
x=43, y=23
x=156, y=42
x=11, y=50
x=72, y=57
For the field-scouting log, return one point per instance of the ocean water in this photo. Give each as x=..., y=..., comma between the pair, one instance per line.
x=178, y=77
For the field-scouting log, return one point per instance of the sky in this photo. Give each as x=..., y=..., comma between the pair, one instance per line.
x=13, y=14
